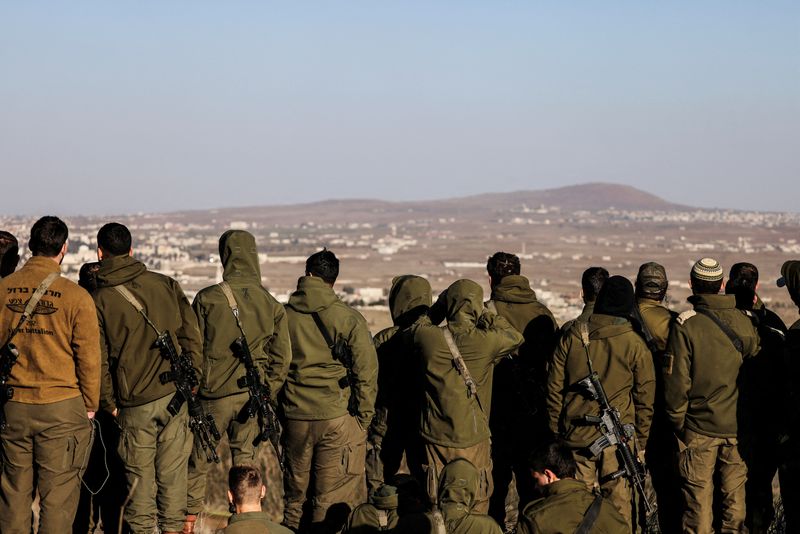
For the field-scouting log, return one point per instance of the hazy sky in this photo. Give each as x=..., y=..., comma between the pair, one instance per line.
x=112, y=106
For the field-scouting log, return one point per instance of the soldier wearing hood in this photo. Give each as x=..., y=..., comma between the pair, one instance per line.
x=458, y=362
x=155, y=445
x=460, y=488
x=625, y=367
x=263, y=321
x=518, y=420
x=395, y=430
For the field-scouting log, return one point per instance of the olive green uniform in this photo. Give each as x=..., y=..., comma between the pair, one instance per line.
x=253, y=523
x=790, y=454
x=154, y=445
x=383, y=513
x=459, y=491
x=562, y=509
x=264, y=323
x=660, y=450
x=454, y=424
x=394, y=431
x=518, y=420
x=56, y=382
x=320, y=434
x=701, y=369
x=625, y=367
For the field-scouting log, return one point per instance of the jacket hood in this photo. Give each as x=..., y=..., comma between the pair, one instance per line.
x=464, y=303
x=118, y=270
x=458, y=488
x=514, y=288
x=602, y=326
x=385, y=497
x=312, y=295
x=237, y=250
x=409, y=293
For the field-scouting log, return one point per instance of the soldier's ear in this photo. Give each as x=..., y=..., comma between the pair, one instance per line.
x=263, y=491
x=230, y=496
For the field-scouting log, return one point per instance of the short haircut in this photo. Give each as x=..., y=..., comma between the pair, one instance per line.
x=244, y=481
x=592, y=282
x=115, y=239
x=502, y=264
x=48, y=235
x=705, y=287
x=87, y=276
x=323, y=264
x=8, y=243
x=556, y=457
x=742, y=284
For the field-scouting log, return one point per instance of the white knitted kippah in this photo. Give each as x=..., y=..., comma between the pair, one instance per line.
x=707, y=269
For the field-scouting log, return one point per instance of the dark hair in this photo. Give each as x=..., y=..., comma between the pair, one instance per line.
x=244, y=481
x=87, y=277
x=742, y=284
x=8, y=243
x=48, y=235
x=9, y=253
x=115, y=239
x=323, y=264
x=592, y=282
x=705, y=287
x=556, y=457
x=502, y=264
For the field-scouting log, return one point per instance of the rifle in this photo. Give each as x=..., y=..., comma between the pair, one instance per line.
x=182, y=373
x=8, y=357
x=342, y=353
x=260, y=402
x=614, y=432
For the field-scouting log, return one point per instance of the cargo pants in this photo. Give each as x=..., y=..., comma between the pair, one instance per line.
x=594, y=472
x=231, y=419
x=330, y=452
x=699, y=459
x=155, y=448
x=44, y=447
x=480, y=455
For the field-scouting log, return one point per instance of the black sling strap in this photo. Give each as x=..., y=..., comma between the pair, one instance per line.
x=323, y=329
x=728, y=331
x=591, y=515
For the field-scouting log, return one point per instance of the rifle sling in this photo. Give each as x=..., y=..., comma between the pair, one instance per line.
x=460, y=365
x=727, y=330
x=125, y=292
x=591, y=515
x=226, y=290
x=30, y=306
x=323, y=329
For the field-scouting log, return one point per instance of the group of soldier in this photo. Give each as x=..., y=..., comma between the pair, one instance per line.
x=421, y=428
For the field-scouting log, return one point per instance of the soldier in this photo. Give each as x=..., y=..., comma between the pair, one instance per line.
x=705, y=350
x=9, y=253
x=758, y=422
x=56, y=386
x=568, y=505
x=625, y=368
x=592, y=281
x=245, y=493
x=790, y=446
x=651, y=290
x=458, y=363
x=457, y=512
x=155, y=444
x=263, y=324
x=325, y=431
x=395, y=430
x=518, y=419
x=398, y=507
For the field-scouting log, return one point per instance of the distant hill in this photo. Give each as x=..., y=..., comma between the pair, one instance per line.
x=590, y=197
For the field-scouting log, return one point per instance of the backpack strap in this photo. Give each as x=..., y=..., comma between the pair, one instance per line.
x=30, y=306
x=590, y=516
x=228, y=292
x=727, y=330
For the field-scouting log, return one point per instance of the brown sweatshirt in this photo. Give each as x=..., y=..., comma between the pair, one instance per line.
x=59, y=346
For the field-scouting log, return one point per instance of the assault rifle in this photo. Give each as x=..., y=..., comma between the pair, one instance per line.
x=613, y=431
x=260, y=403
x=185, y=378
x=8, y=357
x=342, y=353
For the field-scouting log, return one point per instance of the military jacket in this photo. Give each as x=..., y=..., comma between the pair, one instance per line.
x=657, y=319
x=701, y=367
x=458, y=488
x=253, y=523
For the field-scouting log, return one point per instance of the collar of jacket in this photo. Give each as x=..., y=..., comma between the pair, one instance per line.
x=603, y=326
x=248, y=516
x=118, y=270
x=713, y=302
x=515, y=289
x=564, y=485
x=648, y=303
x=313, y=295
x=41, y=263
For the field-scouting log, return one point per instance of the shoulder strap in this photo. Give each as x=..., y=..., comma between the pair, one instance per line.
x=727, y=330
x=461, y=366
x=591, y=515
x=438, y=522
x=583, y=329
x=383, y=519
x=228, y=292
x=323, y=329
x=30, y=306
x=125, y=292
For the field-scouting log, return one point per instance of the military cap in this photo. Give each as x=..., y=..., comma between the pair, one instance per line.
x=652, y=278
